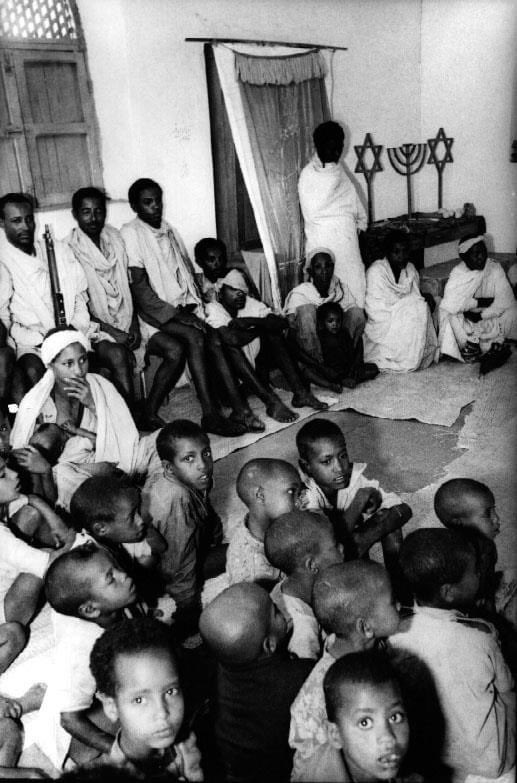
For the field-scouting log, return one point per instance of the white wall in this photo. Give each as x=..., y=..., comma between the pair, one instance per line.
x=150, y=92
x=468, y=87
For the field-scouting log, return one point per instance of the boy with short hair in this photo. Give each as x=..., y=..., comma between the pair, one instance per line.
x=368, y=723
x=210, y=255
x=473, y=683
x=257, y=681
x=178, y=505
x=137, y=681
x=362, y=513
x=354, y=604
x=88, y=592
x=269, y=488
x=301, y=544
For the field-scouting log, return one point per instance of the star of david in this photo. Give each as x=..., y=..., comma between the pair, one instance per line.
x=360, y=150
x=433, y=144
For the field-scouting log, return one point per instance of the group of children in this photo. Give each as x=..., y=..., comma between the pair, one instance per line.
x=314, y=663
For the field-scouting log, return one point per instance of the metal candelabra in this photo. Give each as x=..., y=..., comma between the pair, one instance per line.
x=407, y=160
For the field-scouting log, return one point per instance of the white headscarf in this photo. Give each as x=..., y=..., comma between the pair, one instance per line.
x=465, y=244
x=55, y=343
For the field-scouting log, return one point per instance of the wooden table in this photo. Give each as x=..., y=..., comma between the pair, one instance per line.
x=424, y=231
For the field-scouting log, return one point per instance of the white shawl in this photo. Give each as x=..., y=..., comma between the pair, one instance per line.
x=31, y=309
x=164, y=257
x=117, y=436
x=106, y=271
x=464, y=284
x=333, y=213
x=397, y=326
x=307, y=293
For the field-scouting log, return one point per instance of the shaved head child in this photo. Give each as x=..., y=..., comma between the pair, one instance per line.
x=137, y=681
x=368, y=723
x=354, y=604
x=301, y=544
x=269, y=488
x=88, y=592
x=256, y=683
x=362, y=513
x=473, y=683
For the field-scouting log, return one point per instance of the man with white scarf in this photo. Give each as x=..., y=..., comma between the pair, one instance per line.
x=100, y=250
x=478, y=310
x=332, y=211
x=26, y=306
x=171, y=311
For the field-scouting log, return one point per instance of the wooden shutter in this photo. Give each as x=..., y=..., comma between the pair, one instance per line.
x=15, y=174
x=57, y=113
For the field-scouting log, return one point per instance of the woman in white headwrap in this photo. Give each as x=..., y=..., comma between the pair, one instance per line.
x=81, y=405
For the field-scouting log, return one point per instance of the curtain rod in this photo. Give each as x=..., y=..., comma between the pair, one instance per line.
x=266, y=43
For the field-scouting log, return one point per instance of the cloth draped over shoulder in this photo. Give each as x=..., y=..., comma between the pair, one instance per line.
x=118, y=441
x=462, y=289
x=25, y=295
x=399, y=334
x=333, y=213
x=301, y=305
x=106, y=271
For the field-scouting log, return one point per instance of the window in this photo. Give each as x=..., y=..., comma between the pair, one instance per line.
x=48, y=135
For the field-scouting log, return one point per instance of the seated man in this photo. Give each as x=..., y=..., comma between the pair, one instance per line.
x=399, y=334
x=478, y=309
x=301, y=307
x=170, y=308
x=26, y=300
x=244, y=323
x=100, y=250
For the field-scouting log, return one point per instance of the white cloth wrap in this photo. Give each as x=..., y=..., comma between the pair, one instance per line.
x=398, y=325
x=333, y=214
x=465, y=244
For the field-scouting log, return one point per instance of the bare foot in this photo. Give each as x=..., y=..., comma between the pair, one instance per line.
x=280, y=412
x=305, y=399
x=31, y=699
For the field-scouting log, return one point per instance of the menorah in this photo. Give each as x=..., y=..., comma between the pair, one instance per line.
x=361, y=167
x=440, y=163
x=407, y=160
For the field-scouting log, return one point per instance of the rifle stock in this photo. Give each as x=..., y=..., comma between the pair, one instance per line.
x=57, y=297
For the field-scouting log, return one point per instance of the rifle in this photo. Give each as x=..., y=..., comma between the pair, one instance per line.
x=57, y=296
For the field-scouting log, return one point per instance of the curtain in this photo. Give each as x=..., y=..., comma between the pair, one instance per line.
x=274, y=103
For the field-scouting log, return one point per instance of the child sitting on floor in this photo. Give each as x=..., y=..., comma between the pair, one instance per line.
x=361, y=512
x=88, y=592
x=106, y=509
x=368, y=723
x=137, y=681
x=354, y=604
x=22, y=566
x=269, y=488
x=473, y=683
x=257, y=681
x=341, y=356
x=178, y=505
x=301, y=544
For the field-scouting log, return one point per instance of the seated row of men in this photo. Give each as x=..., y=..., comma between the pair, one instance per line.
x=320, y=664
x=134, y=294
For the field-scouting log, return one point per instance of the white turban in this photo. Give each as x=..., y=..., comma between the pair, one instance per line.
x=234, y=279
x=55, y=343
x=316, y=251
x=465, y=244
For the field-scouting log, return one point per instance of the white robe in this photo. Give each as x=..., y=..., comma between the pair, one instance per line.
x=117, y=441
x=25, y=295
x=333, y=213
x=399, y=334
x=462, y=289
x=163, y=255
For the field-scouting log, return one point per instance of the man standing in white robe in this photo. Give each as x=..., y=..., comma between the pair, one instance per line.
x=332, y=211
x=399, y=334
x=478, y=310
